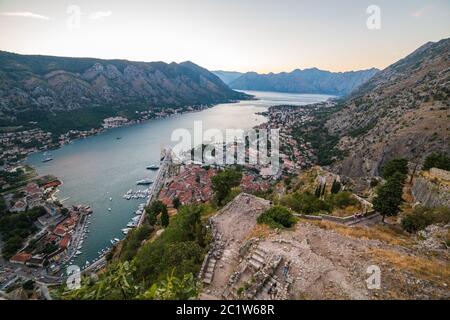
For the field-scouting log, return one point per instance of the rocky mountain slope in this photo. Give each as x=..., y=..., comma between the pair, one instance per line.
x=304, y=81
x=403, y=111
x=30, y=84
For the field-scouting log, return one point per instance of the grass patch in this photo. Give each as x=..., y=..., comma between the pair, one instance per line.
x=428, y=269
x=260, y=231
x=387, y=234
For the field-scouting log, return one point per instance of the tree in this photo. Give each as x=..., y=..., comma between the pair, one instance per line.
x=181, y=247
x=173, y=288
x=165, y=218
x=151, y=218
x=133, y=241
x=28, y=285
x=317, y=191
x=117, y=282
x=395, y=165
x=153, y=210
x=437, y=160
x=389, y=196
x=176, y=203
x=335, y=187
x=323, y=189
x=223, y=182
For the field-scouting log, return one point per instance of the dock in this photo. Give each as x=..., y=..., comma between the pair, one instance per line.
x=159, y=181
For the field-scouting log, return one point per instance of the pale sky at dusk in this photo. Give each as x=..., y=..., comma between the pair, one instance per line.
x=240, y=35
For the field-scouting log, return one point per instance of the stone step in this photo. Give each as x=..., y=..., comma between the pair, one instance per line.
x=208, y=275
x=260, y=251
x=255, y=263
x=210, y=269
x=207, y=281
x=258, y=258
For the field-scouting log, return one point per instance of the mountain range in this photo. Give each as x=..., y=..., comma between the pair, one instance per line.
x=33, y=85
x=299, y=81
x=403, y=111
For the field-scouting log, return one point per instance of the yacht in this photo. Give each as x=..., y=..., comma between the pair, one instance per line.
x=131, y=225
x=144, y=182
x=47, y=159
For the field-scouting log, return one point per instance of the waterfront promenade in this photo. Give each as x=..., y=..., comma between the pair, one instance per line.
x=159, y=180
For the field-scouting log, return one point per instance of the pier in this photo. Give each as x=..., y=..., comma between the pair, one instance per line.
x=159, y=181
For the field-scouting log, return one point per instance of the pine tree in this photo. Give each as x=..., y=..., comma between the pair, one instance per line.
x=336, y=187
x=389, y=196
x=164, y=218
x=323, y=189
x=317, y=192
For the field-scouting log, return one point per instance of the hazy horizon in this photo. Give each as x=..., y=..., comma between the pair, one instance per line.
x=262, y=36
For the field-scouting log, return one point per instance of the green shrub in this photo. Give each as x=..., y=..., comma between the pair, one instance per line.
x=437, y=160
x=341, y=200
x=305, y=203
x=422, y=217
x=277, y=217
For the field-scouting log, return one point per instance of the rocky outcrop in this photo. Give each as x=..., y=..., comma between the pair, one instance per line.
x=434, y=237
x=401, y=112
x=431, y=193
x=31, y=84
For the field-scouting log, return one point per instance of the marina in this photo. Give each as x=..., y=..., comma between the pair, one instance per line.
x=100, y=169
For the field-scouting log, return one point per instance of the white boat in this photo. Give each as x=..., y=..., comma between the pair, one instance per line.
x=112, y=241
x=117, y=240
x=110, y=199
x=78, y=252
x=144, y=182
x=109, y=209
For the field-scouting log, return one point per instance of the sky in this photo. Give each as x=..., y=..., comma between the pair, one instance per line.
x=234, y=35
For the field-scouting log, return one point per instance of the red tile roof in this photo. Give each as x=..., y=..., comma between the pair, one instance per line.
x=20, y=258
x=64, y=243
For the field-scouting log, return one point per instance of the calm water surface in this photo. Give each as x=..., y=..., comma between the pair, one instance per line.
x=99, y=167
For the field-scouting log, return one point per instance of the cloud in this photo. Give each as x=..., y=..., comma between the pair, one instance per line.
x=99, y=15
x=25, y=14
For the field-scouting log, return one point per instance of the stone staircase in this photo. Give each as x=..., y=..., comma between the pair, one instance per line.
x=258, y=259
x=262, y=294
x=209, y=271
